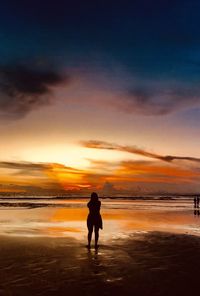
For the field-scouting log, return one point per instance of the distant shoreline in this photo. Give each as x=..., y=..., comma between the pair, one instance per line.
x=145, y=197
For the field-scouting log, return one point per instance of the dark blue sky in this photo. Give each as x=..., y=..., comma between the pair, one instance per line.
x=155, y=43
x=160, y=38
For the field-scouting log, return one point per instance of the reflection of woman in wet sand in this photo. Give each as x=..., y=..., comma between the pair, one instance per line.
x=94, y=220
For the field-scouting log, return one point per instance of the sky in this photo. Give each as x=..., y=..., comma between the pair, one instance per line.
x=99, y=96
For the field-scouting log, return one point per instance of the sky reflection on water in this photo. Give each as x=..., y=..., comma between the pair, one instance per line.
x=121, y=218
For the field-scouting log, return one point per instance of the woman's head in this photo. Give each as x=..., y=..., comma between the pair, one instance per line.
x=94, y=196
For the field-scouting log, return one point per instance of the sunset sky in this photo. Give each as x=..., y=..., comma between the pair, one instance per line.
x=100, y=95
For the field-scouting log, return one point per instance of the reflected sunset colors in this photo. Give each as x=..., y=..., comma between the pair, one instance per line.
x=120, y=219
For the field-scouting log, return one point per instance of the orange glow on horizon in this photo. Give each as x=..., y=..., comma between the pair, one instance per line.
x=121, y=174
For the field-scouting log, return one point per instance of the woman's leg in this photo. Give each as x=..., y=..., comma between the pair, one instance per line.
x=90, y=229
x=96, y=236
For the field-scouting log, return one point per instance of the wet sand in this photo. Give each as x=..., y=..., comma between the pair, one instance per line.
x=153, y=263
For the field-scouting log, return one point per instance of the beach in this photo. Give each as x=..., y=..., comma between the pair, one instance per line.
x=131, y=259
x=148, y=264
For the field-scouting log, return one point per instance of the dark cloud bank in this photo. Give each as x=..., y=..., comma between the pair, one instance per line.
x=25, y=88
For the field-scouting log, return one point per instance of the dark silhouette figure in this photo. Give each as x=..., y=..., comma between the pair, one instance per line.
x=195, y=202
x=94, y=220
x=197, y=213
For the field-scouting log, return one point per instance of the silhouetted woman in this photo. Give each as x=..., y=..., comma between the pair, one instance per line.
x=94, y=220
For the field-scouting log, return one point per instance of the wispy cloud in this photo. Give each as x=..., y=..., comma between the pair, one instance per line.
x=31, y=167
x=23, y=165
x=135, y=150
x=159, y=98
x=154, y=171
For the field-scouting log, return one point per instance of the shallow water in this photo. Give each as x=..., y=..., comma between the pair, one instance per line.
x=133, y=258
x=67, y=218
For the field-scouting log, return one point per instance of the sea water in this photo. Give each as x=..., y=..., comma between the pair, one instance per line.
x=121, y=217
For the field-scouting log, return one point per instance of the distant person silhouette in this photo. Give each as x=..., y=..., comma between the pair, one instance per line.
x=197, y=201
x=196, y=212
x=94, y=220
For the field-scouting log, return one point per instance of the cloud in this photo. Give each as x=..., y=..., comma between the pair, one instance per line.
x=48, y=171
x=108, y=188
x=25, y=88
x=149, y=175
x=155, y=170
x=25, y=170
x=52, y=176
x=152, y=98
x=136, y=150
x=23, y=165
x=55, y=178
